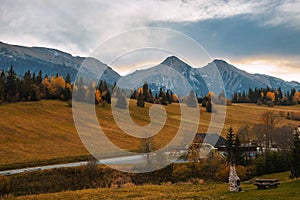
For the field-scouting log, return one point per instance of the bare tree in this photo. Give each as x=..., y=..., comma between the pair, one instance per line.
x=245, y=134
x=283, y=137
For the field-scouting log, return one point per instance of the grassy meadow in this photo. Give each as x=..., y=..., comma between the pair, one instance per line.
x=288, y=189
x=43, y=132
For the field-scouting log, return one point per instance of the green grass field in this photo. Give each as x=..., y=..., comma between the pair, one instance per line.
x=288, y=189
x=43, y=132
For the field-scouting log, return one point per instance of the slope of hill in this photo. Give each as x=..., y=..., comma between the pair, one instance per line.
x=31, y=132
x=50, y=61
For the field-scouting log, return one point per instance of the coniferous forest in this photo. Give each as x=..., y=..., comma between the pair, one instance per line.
x=33, y=87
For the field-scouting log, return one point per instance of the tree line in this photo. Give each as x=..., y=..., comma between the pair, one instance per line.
x=32, y=87
x=268, y=96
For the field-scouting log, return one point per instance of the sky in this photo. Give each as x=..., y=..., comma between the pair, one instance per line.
x=255, y=36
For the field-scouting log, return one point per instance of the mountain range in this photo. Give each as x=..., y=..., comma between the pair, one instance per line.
x=172, y=73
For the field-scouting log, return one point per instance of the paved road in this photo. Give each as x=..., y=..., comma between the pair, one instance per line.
x=118, y=160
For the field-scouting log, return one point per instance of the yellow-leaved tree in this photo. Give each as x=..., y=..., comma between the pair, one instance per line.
x=296, y=98
x=57, y=86
x=271, y=96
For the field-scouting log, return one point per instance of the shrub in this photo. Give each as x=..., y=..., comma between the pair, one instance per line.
x=270, y=104
x=181, y=173
x=5, y=186
x=245, y=173
x=271, y=162
x=282, y=113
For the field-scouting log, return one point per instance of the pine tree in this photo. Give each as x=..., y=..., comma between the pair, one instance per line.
x=106, y=95
x=209, y=106
x=121, y=99
x=151, y=99
x=11, y=86
x=80, y=88
x=169, y=97
x=26, y=86
x=140, y=100
x=134, y=95
x=145, y=92
x=239, y=158
x=68, y=79
x=233, y=148
x=34, y=92
x=2, y=86
x=39, y=78
x=295, y=156
x=161, y=93
x=230, y=140
x=191, y=100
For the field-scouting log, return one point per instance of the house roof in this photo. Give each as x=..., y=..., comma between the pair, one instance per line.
x=212, y=138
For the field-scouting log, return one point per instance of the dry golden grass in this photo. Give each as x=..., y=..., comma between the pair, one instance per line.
x=286, y=190
x=45, y=130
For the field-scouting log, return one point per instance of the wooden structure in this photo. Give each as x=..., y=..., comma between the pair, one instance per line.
x=266, y=183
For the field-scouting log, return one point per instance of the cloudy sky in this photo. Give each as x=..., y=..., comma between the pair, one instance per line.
x=256, y=36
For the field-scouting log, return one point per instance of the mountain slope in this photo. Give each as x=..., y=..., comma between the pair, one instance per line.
x=215, y=76
x=171, y=74
x=50, y=61
x=236, y=80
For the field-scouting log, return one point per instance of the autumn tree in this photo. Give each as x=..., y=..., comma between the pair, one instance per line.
x=57, y=86
x=271, y=96
x=98, y=96
x=175, y=98
x=296, y=98
x=245, y=134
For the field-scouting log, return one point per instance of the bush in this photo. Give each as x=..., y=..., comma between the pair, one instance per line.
x=282, y=113
x=259, y=103
x=5, y=186
x=245, y=173
x=270, y=104
x=271, y=162
x=294, y=116
x=182, y=173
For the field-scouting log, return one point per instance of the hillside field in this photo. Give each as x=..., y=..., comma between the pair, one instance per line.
x=43, y=132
